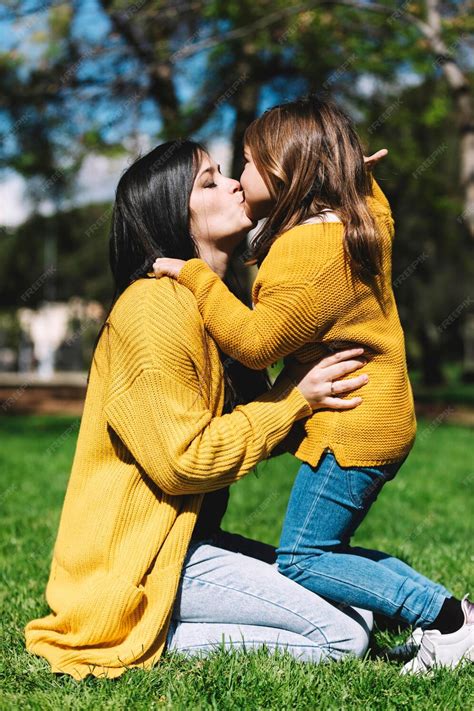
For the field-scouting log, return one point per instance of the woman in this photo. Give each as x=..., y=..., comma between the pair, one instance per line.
x=138, y=544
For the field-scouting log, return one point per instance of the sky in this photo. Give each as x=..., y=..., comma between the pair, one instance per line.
x=96, y=182
x=99, y=175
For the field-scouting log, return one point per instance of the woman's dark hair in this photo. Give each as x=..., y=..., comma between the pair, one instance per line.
x=151, y=218
x=151, y=213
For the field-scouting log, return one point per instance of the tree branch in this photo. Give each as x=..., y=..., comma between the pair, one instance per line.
x=161, y=87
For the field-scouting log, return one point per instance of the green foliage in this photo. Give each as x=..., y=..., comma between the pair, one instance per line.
x=437, y=111
x=337, y=49
x=424, y=516
x=80, y=239
x=432, y=271
x=60, y=18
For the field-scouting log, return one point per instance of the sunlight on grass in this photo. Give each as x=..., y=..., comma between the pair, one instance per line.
x=424, y=516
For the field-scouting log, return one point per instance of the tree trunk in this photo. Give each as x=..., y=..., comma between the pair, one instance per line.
x=460, y=87
x=245, y=102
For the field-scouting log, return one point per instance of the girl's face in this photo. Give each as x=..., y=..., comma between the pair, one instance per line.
x=217, y=207
x=258, y=202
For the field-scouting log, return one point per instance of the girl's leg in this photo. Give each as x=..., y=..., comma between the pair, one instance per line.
x=247, y=600
x=398, y=566
x=326, y=506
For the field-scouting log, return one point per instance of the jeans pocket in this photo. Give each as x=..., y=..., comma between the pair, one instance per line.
x=365, y=483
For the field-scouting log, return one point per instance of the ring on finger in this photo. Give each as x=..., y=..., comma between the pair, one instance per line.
x=333, y=394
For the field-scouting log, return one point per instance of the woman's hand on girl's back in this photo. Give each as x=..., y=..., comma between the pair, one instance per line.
x=320, y=384
x=164, y=266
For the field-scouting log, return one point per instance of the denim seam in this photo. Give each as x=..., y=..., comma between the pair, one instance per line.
x=374, y=594
x=350, y=489
x=436, y=602
x=360, y=506
x=410, y=609
x=256, y=597
x=310, y=512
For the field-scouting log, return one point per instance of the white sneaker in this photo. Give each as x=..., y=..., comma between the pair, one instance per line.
x=408, y=648
x=445, y=650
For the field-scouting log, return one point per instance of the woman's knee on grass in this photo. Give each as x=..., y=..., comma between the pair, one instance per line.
x=350, y=634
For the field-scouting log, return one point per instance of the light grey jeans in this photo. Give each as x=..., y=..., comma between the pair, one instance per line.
x=230, y=600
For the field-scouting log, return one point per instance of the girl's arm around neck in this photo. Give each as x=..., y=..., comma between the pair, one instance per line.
x=282, y=321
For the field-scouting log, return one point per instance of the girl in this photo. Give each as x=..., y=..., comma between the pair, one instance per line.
x=324, y=279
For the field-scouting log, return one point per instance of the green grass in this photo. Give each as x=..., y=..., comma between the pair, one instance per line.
x=424, y=516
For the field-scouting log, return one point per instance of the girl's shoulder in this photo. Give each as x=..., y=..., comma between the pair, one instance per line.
x=302, y=252
x=378, y=201
x=309, y=240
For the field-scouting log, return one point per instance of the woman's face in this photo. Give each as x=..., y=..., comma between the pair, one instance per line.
x=217, y=207
x=258, y=202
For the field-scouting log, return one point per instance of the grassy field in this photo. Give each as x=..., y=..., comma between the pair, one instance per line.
x=424, y=516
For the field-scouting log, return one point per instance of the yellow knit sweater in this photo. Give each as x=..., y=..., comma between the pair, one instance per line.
x=304, y=301
x=152, y=440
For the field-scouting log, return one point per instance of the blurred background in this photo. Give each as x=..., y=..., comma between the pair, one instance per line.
x=87, y=86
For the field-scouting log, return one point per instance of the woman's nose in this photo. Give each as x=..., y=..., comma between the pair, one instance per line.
x=235, y=185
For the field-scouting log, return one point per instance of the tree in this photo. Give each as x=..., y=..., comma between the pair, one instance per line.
x=200, y=67
x=232, y=54
x=431, y=275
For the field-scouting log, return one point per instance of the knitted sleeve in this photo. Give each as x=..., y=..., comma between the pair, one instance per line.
x=282, y=321
x=173, y=436
x=381, y=209
x=379, y=195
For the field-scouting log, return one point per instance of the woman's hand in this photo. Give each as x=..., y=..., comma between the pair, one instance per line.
x=320, y=383
x=163, y=266
x=370, y=161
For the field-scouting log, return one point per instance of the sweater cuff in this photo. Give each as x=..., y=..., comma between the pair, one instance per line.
x=274, y=413
x=193, y=271
x=285, y=391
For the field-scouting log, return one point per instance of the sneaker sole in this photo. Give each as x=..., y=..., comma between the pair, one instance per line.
x=467, y=657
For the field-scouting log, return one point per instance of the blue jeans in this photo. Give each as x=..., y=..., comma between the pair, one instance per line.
x=230, y=600
x=326, y=506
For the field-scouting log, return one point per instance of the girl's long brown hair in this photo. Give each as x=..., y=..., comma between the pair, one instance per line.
x=310, y=158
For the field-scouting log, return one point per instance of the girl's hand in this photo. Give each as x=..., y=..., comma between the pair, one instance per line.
x=320, y=383
x=374, y=158
x=168, y=267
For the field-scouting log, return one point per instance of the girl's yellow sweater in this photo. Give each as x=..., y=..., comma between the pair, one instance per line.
x=152, y=440
x=305, y=302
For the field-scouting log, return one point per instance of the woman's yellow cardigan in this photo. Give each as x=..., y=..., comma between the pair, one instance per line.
x=152, y=441
x=305, y=302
